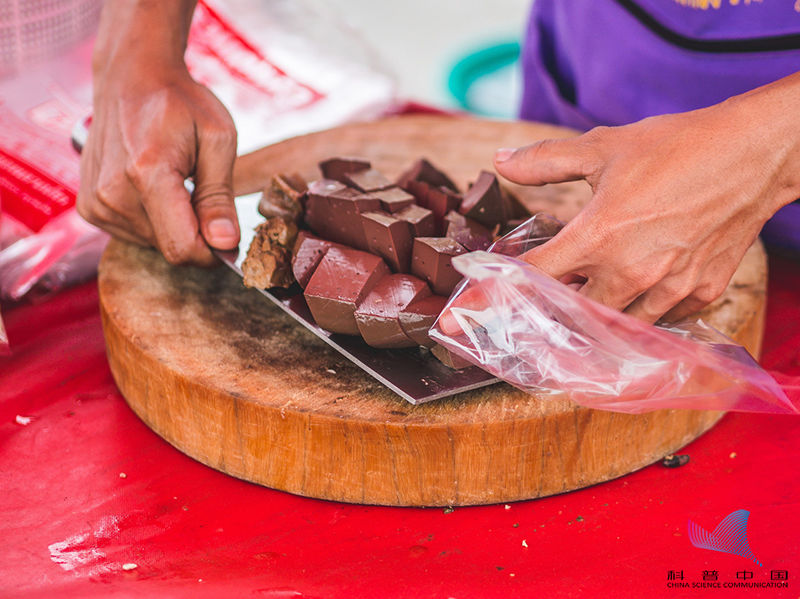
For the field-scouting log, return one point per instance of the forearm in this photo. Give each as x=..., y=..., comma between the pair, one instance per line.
x=153, y=32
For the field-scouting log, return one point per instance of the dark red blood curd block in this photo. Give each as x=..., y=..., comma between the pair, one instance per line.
x=341, y=281
x=420, y=191
x=369, y=180
x=431, y=260
x=440, y=202
x=393, y=199
x=389, y=238
x=484, y=202
x=334, y=213
x=420, y=219
x=419, y=316
x=378, y=316
x=327, y=187
x=424, y=171
x=338, y=168
x=448, y=358
x=306, y=256
x=469, y=233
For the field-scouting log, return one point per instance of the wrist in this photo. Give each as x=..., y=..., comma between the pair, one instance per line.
x=768, y=116
x=149, y=33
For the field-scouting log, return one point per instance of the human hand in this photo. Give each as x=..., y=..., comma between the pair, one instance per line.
x=153, y=127
x=677, y=200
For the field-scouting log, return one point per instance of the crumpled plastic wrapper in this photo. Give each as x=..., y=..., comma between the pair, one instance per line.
x=544, y=337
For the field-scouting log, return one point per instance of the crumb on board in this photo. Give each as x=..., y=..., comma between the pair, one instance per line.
x=269, y=258
x=508, y=507
x=733, y=455
x=675, y=460
x=448, y=510
x=123, y=475
x=525, y=543
x=23, y=420
x=129, y=566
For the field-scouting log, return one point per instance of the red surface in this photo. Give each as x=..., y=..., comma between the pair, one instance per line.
x=69, y=521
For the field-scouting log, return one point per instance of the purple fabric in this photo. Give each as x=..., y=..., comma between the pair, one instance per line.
x=590, y=62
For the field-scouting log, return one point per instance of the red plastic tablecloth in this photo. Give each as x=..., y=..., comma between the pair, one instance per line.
x=71, y=518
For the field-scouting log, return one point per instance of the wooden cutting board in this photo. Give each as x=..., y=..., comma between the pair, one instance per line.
x=233, y=382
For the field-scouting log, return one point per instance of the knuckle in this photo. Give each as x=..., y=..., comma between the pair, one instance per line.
x=591, y=165
x=677, y=288
x=594, y=137
x=82, y=205
x=175, y=254
x=703, y=296
x=135, y=171
x=591, y=156
x=710, y=291
x=89, y=208
x=107, y=190
x=141, y=169
x=213, y=196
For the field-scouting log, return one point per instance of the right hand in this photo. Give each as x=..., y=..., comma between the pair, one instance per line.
x=153, y=127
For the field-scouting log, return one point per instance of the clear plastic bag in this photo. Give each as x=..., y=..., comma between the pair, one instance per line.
x=544, y=337
x=64, y=252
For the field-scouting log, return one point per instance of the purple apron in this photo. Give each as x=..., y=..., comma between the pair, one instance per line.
x=610, y=62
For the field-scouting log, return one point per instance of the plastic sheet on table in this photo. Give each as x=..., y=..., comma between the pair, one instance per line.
x=282, y=69
x=544, y=337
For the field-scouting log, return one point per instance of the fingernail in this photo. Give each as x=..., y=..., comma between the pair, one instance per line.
x=504, y=154
x=221, y=230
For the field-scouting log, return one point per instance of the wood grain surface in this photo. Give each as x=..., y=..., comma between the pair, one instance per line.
x=233, y=382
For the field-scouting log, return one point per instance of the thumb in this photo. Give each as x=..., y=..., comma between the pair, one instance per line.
x=547, y=161
x=213, y=191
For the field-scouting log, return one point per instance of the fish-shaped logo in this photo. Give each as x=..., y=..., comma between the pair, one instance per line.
x=730, y=536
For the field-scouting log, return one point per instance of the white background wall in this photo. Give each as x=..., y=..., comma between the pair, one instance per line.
x=419, y=40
